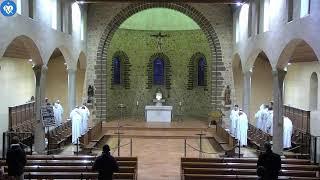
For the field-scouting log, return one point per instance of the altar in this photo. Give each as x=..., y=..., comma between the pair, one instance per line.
x=158, y=113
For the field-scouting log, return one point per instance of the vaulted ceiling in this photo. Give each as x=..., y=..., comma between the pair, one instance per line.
x=303, y=53
x=193, y=1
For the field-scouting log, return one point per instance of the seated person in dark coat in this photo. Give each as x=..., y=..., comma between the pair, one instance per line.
x=105, y=164
x=16, y=159
x=271, y=163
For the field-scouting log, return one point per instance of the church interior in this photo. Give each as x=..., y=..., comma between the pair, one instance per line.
x=189, y=89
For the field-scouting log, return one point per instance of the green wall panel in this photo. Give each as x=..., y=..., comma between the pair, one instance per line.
x=159, y=19
x=140, y=46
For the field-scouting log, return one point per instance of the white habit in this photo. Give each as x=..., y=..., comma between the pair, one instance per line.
x=269, y=123
x=287, y=132
x=259, y=116
x=85, y=113
x=264, y=118
x=243, y=129
x=76, y=118
x=233, y=118
x=58, y=112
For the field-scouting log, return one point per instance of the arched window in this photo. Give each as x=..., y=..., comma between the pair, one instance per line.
x=120, y=71
x=313, y=96
x=19, y=8
x=201, y=71
x=158, y=71
x=116, y=70
x=197, y=71
x=304, y=8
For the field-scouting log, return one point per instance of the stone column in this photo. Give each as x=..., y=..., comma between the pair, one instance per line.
x=278, y=77
x=39, y=132
x=246, y=92
x=71, y=89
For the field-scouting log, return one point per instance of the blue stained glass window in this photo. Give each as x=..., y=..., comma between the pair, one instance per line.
x=116, y=70
x=201, y=72
x=158, y=71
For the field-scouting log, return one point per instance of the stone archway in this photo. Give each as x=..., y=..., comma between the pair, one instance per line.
x=111, y=28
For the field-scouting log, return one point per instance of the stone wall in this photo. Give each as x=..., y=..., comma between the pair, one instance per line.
x=104, y=20
x=139, y=46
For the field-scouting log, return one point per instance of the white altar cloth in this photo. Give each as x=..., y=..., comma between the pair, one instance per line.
x=158, y=113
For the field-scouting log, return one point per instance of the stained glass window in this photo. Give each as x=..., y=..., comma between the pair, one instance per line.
x=116, y=70
x=201, y=72
x=158, y=71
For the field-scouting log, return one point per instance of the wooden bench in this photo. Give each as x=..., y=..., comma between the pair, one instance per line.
x=74, y=175
x=91, y=138
x=225, y=141
x=59, y=136
x=243, y=160
x=237, y=177
x=243, y=168
x=72, y=167
x=230, y=171
x=246, y=166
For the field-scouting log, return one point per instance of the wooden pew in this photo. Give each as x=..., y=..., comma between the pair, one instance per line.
x=230, y=171
x=74, y=175
x=91, y=138
x=246, y=166
x=225, y=141
x=72, y=167
x=237, y=177
x=243, y=160
x=243, y=168
x=60, y=136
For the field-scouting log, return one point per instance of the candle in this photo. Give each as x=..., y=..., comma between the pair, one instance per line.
x=137, y=103
x=180, y=103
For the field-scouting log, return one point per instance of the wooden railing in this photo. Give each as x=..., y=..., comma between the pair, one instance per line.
x=300, y=118
x=91, y=138
x=21, y=117
x=226, y=141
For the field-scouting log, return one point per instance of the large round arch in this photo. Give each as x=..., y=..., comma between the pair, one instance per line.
x=111, y=28
x=237, y=79
x=261, y=84
x=57, y=80
x=80, y=78
x=18, y=79
x=293, y=50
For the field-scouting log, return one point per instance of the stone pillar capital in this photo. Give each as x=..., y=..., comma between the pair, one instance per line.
x=44, y=68
x=71, y=71
x=247, y=73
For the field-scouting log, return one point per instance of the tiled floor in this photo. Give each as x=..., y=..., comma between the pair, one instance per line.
x=159, y=146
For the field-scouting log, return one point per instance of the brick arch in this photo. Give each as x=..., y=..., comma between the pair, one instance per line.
x=111, y=28
x=167, y=70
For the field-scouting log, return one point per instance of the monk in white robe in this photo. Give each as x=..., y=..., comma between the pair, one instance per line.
x=85, y=119
x=58, y=113
x=269, y=123
x=76, y=118
x=287, y=132
x=264, y=118
x=243, y=128
x=233, y=116
x=258, y=117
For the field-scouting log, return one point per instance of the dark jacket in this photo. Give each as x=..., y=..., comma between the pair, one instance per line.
x=272, y=164
x=16, y=160
x=106, y=165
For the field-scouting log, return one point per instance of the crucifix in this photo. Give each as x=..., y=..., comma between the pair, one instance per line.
x=159, y=38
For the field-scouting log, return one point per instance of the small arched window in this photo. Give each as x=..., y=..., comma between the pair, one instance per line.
x=116, y=70
x=201, y=72
x=158, y=71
